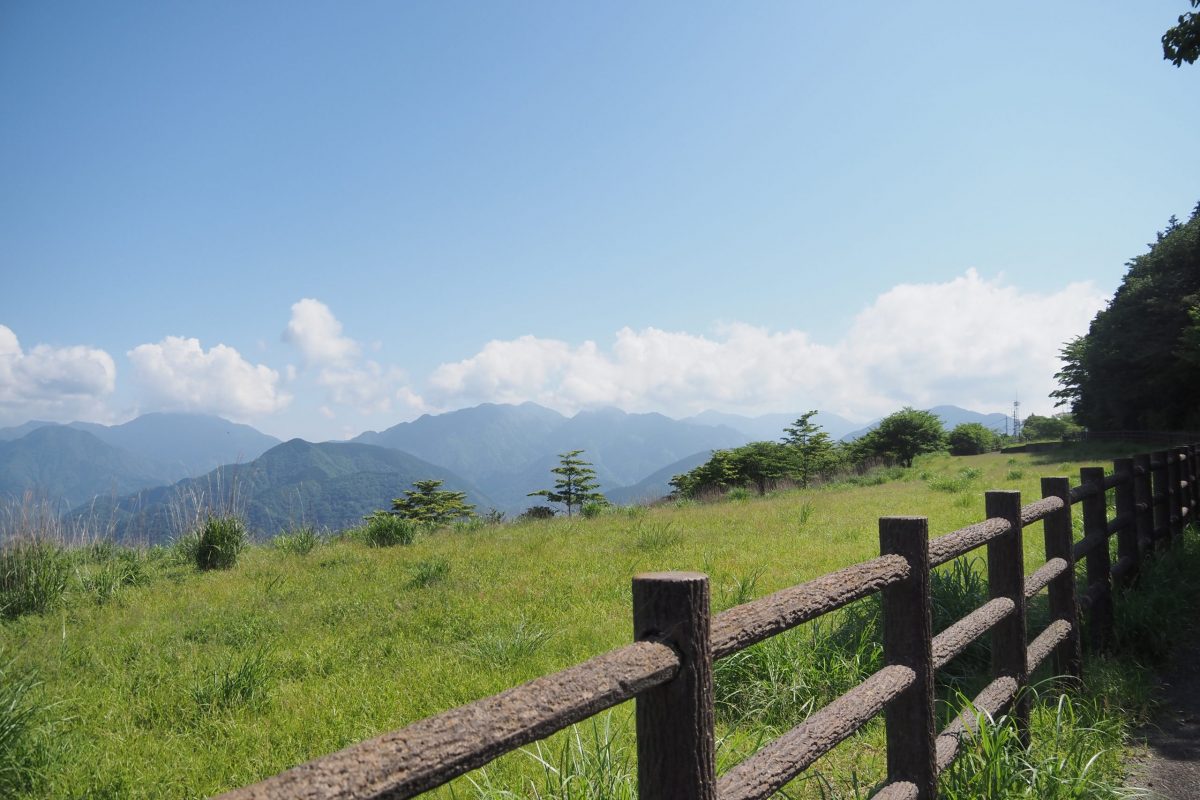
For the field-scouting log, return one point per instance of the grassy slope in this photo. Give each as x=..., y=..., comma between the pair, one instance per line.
x=196, y=683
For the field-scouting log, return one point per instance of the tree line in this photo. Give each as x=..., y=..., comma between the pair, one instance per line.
x=1138, y=366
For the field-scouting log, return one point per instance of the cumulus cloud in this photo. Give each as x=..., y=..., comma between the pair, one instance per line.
x=179, y=374
x=318, y=335
x=368, y=388
x=56, y=383
x=967, y=341
x=349, y=380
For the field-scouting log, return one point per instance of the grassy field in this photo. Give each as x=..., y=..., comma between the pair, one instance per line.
x=169, y=682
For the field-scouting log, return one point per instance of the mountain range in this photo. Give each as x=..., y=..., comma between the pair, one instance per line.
x=135, y=476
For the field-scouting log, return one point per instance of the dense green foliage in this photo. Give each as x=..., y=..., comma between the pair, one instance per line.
x=429, y=504
x=971, y=438
x=805, y=454
x=1059, y=426
x=902, y=436
x=1182, y=42
x=574, y=483
x=1138, y=366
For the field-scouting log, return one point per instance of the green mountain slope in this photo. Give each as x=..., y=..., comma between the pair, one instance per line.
x=474, y=442
x=332, y=484
x=68, y=467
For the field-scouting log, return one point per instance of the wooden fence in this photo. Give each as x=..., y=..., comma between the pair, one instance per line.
x=668, y=669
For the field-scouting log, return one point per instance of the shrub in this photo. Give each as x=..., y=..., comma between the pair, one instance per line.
x=594, y=508
x=537, y=512
x=220, y=541
x=972, y=438
x=33, y=577
x=387, y=530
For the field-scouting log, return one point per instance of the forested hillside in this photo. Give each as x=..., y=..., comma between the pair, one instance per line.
x=1138, y=366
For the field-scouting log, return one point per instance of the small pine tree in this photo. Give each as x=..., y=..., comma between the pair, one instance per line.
x=429, y=504
x=575, y=485
x=815, y=453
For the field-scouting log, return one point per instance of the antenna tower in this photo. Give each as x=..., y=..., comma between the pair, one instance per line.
x=1016, y=426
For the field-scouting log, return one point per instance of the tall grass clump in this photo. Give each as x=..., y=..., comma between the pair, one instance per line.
x=429, y=571
x=955, y=591
x=1150, y=618
x=298, y=542
x=240, y=683
x=596, y=767
x=777, y=682
x=1074, y=753
x=509, y=645
x=103, y=570
x=383, y=529
x=23, y=725
x=220, y=541
x=33, y=577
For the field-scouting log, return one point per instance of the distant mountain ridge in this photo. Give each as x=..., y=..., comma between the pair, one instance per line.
x=66, y=465
x=185, y=445
x=509, y=450
x=328, y=485
x=497, y=453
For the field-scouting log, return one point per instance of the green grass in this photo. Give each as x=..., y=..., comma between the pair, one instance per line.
x=300, y=541
x=182, y=682
x=33, y=577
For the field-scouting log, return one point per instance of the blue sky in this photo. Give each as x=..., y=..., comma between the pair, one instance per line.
x=324, y=218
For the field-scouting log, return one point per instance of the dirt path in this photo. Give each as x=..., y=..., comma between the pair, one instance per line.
x=1171, y=771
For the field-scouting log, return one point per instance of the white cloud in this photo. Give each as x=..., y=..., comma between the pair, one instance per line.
x=363, y=385
x=967, y=341
x=56, y=383
x=178, y=374
x=368, y=388
x=318, y=335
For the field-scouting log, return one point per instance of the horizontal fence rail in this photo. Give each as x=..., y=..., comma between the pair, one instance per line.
x=667, y=670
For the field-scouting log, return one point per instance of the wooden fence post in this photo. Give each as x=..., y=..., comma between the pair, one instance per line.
x=1127, y=542
x=676, y=744
x=1161, y=499
x=908, y=641
x=1183, y=502
x=1099, y=565
x=1059, y=536
x=1194, y=495
x=1143, y=498
x=1195, y=473
x=1006, y=578
x=1174, y=496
